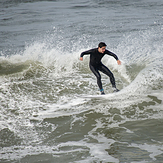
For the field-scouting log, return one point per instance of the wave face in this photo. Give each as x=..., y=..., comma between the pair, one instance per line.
x=46, y=112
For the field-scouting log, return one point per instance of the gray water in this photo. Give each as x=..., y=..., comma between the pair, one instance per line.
x=47, y=112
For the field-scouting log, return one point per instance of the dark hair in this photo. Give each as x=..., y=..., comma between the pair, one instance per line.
x=101, y=44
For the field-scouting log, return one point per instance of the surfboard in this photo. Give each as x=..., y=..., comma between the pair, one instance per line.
x=99, y=96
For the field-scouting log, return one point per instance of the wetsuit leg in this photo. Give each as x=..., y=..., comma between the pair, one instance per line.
x=97, y=74
x=106, y=71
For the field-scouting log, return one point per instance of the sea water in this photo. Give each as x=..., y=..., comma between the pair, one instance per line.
x=44, y=115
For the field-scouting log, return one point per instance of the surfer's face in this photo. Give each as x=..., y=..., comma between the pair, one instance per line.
x=102, y=50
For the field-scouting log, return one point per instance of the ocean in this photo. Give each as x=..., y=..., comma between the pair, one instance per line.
x=50, y=108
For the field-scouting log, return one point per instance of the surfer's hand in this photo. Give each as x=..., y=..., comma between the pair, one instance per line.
x=119, y=62
x=81, y=58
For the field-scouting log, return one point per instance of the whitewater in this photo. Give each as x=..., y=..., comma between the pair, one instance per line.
x=47, y=113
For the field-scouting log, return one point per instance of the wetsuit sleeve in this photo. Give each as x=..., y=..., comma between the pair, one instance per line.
x=86, y=52
x=111, y=54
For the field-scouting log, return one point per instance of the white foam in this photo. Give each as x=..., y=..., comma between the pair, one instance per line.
x=60, y=109
x=154, y=150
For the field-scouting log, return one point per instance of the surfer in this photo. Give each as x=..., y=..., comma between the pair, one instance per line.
x=96, y=65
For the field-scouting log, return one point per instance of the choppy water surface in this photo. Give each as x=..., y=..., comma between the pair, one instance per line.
x=46, y=113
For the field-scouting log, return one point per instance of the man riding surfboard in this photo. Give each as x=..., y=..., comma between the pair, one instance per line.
x=96, y=65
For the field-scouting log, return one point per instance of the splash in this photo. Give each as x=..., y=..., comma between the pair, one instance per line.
x=44, y=85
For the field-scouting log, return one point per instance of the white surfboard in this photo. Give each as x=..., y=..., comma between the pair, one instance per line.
x=99, y=96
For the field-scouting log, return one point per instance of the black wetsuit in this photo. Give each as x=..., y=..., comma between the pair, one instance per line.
x=95, y=64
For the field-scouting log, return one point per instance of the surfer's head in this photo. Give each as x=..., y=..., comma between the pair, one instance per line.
x=101, y=47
